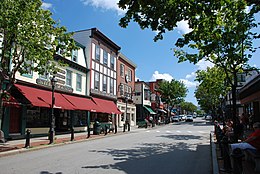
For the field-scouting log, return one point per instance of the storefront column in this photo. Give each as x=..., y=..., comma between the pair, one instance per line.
x=23, y=120
x=6, y=121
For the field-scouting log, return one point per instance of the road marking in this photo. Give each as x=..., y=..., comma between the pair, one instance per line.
x=201, y=132
x=148, y=131
x=178, y=131
x=157, y=131
x=168, y=131
x=189, y=131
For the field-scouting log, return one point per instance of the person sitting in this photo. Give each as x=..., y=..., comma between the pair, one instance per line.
x=252, y=142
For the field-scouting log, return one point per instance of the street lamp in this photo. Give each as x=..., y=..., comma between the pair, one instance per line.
x=52, y=125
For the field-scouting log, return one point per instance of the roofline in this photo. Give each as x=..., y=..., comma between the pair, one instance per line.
x=127, y=60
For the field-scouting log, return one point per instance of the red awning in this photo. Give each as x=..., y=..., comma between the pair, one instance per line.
x=43, y=98
x=11, y=102
x=107, y=106
x=81, y=103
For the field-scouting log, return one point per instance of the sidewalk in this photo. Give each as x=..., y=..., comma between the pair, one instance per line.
x=248, y=167
x=18, y=146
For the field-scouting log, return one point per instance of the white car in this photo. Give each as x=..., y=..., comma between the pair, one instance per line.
x=189, y=118
x=183, y=117
x=208, y=117
x=175, y=118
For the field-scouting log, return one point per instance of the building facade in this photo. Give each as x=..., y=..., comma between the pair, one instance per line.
x=101, y=59
x=33, y=99
x=126, y=86
x=142, y=99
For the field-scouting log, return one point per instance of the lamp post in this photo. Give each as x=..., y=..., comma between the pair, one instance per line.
x=52, y=125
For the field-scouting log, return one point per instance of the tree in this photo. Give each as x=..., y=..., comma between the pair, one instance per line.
x=221, y=30
x=212, y=86
x=172, y=92
x=30, y=39
x=188, y=106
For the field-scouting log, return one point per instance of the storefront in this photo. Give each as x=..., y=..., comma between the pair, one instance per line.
x=33, y=109
x=250, y=97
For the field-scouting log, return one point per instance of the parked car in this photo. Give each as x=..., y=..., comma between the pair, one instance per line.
x=175, y=118
x=208, y=117
x=189, y=118
x=183, y=117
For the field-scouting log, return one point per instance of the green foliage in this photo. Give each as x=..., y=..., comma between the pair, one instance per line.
x=212, y=86
x=188, y=106
x=221, y=30
x=172, y=92
x=30, y=38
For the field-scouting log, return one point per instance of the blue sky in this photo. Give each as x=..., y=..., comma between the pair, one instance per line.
x=154, y=60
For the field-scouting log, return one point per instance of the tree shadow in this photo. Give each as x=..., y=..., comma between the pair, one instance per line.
x=157, y=158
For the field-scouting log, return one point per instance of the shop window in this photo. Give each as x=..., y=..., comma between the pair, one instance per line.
x=37, y=117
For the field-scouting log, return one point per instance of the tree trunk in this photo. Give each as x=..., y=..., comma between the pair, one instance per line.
x=1, y=105
x=234, y=100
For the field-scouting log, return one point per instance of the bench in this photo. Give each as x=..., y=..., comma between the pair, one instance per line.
x=107, y=126
x=253, y=156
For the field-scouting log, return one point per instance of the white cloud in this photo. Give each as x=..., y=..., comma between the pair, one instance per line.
x=191, y=75
x=189, y=84
x=157, y=75
x=105, y=4
x=46, y=5
x=168, y=77
x=183, y=27
x=203, y=64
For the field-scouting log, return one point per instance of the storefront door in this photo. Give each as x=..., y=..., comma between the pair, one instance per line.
x=15, y=118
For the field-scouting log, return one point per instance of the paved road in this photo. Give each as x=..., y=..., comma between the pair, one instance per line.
x=177, y=148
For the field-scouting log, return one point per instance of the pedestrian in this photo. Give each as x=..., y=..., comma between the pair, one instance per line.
x=252, y=142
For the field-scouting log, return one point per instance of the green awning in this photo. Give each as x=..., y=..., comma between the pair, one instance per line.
x=149, y=110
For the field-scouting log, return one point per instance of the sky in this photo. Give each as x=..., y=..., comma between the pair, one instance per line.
x=154, y=60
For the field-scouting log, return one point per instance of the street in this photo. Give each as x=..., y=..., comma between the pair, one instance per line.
x=176, y=148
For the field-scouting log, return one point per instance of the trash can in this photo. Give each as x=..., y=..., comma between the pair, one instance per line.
x=96, y=128
x=236, y=161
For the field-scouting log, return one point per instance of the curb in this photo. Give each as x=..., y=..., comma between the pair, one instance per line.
x=215, y=168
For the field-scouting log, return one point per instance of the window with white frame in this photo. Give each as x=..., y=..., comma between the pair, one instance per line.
x=112, y=86
x=79, y=82
x=97, y=53
x=112, y=62
x=28, y=65
x=68, y=78
x=104, y=83
x=129, y=75
x=96, y=81
x=74, y=56
x=105, y=57
x=122, y=69
x=121, y=89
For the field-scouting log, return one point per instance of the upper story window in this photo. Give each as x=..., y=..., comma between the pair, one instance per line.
x=97, y=53
x=112, y=86
x=121, y=89
x=28, y=65
x=68, y=77
x=105, y=57
x=122, y=70
x=96, y=81
x=130, y=75
x=104, y=83
x=74, y=56
x=147, y=94
x=79, y=82
x=112, y=62
x=241, y=77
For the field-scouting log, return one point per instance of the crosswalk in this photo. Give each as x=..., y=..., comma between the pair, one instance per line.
x=177, y=131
